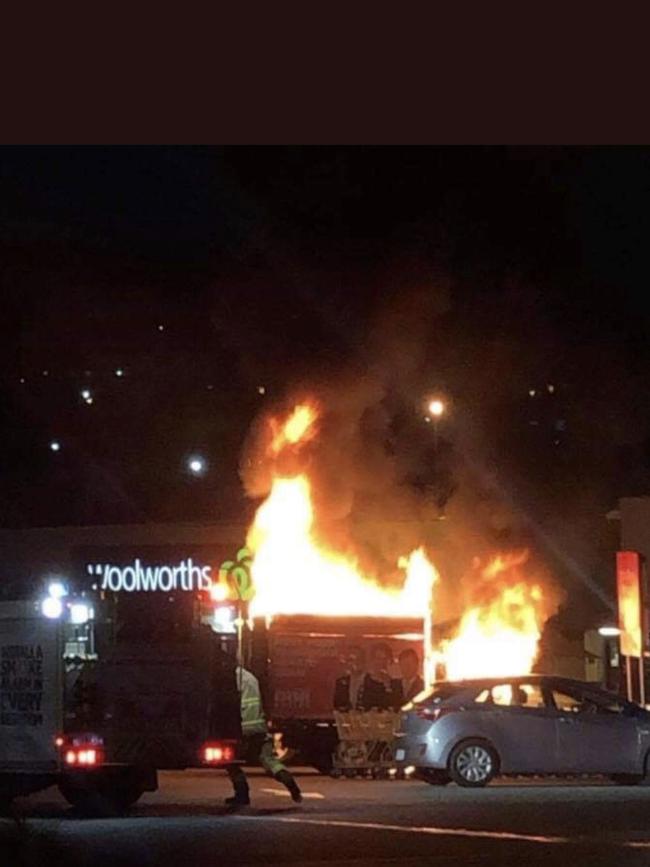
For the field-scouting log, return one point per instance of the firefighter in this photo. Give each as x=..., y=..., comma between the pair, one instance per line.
x=256, y=742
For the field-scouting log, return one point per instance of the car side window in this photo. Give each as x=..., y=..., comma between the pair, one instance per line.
x=603, y=704
x=528, y=695
x=589, y=703
x=566, y=702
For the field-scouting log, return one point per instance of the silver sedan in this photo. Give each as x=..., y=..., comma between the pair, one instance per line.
x=472, y=731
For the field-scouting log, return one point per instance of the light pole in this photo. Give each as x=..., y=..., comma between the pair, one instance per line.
x=436, y=411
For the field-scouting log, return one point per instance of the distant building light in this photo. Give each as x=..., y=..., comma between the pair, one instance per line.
x=55, y=446
x=119, y=372
x=261, y=389
x=22, y=379
x=56, y=589
x=89, y=401
x=86, y=393
x=532, y=392
x=609, y=631
x=551, y=388
x=161, y=328
x=51, y=607
x=196, y=465
x=436, y=408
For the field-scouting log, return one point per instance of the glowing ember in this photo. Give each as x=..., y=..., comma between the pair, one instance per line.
x=299, y=427
x=499, y=636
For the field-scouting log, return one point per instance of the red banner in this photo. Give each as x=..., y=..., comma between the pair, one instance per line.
x=630, y=603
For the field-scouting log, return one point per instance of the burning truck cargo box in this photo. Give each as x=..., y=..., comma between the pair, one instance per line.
x=314, y=669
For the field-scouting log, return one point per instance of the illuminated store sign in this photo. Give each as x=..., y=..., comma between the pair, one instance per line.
x=138, y=576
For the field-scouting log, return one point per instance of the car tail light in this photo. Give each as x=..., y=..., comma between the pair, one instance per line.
x=218, y=752
x=433, y=714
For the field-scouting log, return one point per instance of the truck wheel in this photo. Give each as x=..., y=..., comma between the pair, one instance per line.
x=323, y=764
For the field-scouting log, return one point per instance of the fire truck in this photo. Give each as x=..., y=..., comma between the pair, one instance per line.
x=100, y=691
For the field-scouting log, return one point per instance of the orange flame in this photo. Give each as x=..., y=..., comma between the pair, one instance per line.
x=499, y=636
x=298, y=428
x=294, y=574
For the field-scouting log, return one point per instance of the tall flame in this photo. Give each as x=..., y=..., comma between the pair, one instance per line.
x=499, y=636
x=295, y=574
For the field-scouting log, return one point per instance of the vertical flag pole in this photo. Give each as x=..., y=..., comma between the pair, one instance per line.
x=641, y=681
x=628, y=677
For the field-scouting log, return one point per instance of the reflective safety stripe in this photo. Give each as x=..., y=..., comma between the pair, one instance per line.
x=253, y=720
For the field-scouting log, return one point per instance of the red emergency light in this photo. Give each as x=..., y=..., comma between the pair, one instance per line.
x=81, y=751
x=218, y=752
x=84, y=758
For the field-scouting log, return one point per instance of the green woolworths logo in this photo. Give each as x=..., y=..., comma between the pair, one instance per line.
x=238, y=574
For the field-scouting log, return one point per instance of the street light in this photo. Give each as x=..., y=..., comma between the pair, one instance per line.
x=436, y=408
x=196, y=465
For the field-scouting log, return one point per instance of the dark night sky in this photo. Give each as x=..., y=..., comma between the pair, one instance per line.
x=266, y=266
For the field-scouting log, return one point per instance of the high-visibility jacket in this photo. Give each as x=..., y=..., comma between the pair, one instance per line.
x=253, y=721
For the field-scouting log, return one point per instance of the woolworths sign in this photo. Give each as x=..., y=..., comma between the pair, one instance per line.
x=138, y=576
x=150, y=569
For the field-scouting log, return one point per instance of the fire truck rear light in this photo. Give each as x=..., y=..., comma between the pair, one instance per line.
x=84, y=757
x=215, y=753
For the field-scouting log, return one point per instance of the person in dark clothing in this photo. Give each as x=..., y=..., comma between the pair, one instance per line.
x=411, y=680
x=348, y=689
x=380, y=690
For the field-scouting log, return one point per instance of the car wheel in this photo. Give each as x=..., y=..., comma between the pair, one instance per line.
x=433, y=776
x=473, y=763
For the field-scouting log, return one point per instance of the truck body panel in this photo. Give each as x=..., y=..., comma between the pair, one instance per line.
x=31, y=689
